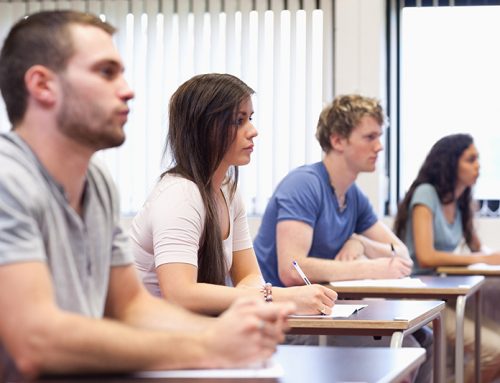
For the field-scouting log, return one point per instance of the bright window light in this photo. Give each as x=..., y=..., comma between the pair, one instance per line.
x=450, y=82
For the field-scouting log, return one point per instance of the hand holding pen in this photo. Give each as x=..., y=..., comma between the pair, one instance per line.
x=301, y=273
x=393, y=252
x=323, y=296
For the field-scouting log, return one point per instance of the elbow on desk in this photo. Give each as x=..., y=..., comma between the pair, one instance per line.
x=28, y=366
x=28, y=356
x=289, y=278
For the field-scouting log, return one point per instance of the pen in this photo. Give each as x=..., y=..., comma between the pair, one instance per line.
x=393, y=251
x=301, y=273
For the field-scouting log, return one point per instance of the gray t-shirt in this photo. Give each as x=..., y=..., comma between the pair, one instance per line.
x=447, y=236
x=37, y=224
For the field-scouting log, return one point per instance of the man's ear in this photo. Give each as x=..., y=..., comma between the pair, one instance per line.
x=40, y=83
x=337, y=142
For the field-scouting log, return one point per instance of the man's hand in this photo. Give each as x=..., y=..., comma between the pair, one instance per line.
x=248, y=332
x=388, y=268
x=353, y=249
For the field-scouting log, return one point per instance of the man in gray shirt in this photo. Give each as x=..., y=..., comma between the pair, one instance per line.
x=70, y=301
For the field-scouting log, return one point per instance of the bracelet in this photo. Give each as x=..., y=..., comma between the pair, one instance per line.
x=267, y=290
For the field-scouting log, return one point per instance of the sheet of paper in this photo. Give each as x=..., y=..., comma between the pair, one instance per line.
x=401, y=282
x=338, y=311
x=271, y=369
x=483, y=266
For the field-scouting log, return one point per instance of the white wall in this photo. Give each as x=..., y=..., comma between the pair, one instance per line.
x=360, y=68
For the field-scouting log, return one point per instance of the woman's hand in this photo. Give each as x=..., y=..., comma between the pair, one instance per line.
x=310, y=299
x=490, y=259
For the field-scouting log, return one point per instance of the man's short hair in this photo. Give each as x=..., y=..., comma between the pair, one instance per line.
x=42, y=38
x=343, y=115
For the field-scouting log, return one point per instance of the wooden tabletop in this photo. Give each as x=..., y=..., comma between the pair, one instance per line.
x=310, y=364
x=381, y=317
x=464, y=270
x=435, y=287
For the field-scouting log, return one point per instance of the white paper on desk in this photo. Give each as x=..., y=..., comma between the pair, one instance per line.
x=338, y=311
x=272, y=369
x=401, y=282
x=483, y=266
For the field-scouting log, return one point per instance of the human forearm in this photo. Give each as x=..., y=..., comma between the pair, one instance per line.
x=68, y=343
x=208, y=299
x=251, y=281
x=154, y=313
x=129, y=302
x=434, y=258
x=322, y=270
x=376, y=249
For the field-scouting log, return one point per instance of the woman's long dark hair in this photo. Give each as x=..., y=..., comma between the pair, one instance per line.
x=440, y=169
x=202, y=115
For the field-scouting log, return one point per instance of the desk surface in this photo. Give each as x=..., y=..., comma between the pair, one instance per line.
x=313, y=364
x=381, y=317
x=435, y=287
x=464, y=270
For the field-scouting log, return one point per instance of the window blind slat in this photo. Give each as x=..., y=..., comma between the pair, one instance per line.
x=284, y=54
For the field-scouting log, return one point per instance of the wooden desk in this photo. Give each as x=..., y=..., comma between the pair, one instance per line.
x=312, y=364
x=384, y=318
x=458, y=288
x=493, y=271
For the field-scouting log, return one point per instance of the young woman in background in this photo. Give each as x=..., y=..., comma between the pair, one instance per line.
x=435, y=216
x=191, y=239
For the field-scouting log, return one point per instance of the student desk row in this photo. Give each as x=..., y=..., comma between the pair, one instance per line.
x=394, y=318
x=456, y=288
x=488, y=271
x=308, y=364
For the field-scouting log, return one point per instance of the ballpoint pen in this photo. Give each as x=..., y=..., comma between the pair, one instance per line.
x=393, y=251
x=306, y=281
x=301, y=273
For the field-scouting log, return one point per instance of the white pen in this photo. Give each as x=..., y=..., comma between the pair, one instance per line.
x=301, y=273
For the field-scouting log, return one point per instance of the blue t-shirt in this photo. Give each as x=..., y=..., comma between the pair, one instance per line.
x=447, y=236
x=306, y=195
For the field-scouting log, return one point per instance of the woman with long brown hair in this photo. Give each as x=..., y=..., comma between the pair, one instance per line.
x=191, y=239
x=435, y=216
x=436, y=213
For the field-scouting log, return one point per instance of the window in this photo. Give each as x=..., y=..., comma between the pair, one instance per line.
x=449, y=83
x=284, y=54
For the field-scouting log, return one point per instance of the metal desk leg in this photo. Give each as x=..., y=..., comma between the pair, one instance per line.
x=439, y=349
x=459, y=339
x=322, y=340
x=477, y=338
x=397, y=339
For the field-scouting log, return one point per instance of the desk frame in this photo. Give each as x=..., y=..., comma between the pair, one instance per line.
x=460, y=293
x=396, y=329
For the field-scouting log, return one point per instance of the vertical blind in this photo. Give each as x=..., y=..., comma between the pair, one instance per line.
x=282, y=49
